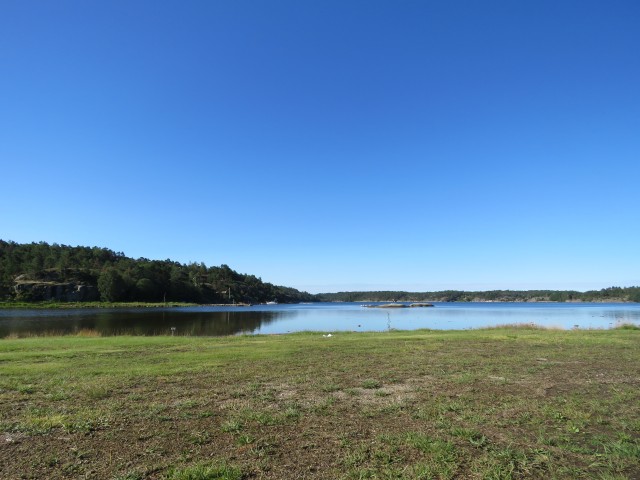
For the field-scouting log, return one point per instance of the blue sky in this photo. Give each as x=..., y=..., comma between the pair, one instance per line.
x=415, y=145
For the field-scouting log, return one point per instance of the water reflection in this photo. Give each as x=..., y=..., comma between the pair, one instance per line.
x=140, y=322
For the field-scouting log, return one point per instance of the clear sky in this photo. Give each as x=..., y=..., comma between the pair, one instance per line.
x=330, y=145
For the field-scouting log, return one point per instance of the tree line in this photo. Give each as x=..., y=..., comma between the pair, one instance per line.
x=119, y=278
x=611, y=294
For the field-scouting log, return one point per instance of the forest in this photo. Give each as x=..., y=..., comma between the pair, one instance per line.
x=32, y=272
x=43, y=272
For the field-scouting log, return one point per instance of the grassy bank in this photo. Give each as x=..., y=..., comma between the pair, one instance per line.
x=497, y=403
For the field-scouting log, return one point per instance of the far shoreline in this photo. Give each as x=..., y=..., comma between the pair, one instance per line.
x=21, y=305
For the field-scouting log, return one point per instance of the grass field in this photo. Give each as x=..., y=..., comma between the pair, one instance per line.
x=487, y=404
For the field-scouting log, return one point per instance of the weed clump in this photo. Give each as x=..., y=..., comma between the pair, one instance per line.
x=205, y=472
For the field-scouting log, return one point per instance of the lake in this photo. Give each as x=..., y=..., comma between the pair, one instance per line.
x=325, y=317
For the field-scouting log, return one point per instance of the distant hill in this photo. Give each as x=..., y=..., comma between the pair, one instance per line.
x=39, y=271
x=612, y=294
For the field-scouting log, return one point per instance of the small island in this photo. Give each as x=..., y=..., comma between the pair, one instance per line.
x=400, y=305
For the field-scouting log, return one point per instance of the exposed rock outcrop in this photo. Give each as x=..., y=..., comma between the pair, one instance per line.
x=42, y=290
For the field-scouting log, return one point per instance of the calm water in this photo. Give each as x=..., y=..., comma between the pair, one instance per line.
x=327, y=317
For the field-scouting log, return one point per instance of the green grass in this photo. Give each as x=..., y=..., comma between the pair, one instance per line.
x=504, y=403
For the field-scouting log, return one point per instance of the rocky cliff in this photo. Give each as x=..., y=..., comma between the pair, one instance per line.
x=30, y=289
